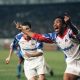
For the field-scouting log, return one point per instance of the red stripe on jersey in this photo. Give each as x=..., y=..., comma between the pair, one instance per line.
x=40, y=37
x=65, y=32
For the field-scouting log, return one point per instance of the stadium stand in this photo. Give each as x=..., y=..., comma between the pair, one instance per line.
x=40, y=16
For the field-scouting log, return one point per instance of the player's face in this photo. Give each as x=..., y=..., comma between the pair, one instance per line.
x=26, y=27
x=57, y=24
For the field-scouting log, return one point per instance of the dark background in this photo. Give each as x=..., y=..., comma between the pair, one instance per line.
x=40, y=16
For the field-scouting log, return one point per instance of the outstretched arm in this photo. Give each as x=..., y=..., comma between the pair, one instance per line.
x=37, y=36
x=70, y=24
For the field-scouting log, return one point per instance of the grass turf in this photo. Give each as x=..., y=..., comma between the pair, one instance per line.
x=54, y=58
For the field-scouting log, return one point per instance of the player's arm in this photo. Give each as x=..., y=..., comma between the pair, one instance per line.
x=9, y=56
x=12, y=46
x=70, y=24
x=75, y=32
x=37, y=53
x=37, y=36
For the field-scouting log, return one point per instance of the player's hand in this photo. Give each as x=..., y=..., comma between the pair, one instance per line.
x=7, y=60
x=19, y=26
x=67, y=19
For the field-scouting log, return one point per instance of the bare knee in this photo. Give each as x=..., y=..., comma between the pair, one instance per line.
x=41, y=77
x=68, y=76
x=33, y=78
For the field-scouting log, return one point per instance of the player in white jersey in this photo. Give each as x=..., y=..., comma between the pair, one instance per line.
x=65, y=36
x=31, y=50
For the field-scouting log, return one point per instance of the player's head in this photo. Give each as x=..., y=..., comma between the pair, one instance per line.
x=58, y=24
x=26, y=25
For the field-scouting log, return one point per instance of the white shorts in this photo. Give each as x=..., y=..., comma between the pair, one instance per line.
x=73, y=67
x=34, y=67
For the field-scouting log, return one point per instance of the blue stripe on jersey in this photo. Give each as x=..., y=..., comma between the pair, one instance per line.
x=21, y=53
x=14, y=44
x=30, y=49
x=65, y=49
x=39, y=45
x=16, y=40
x=51, y=36
x=18, y=36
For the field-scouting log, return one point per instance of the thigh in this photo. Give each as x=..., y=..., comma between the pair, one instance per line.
x=41, y=69
x=68, y=76
x=73, y=68
x=30, y=72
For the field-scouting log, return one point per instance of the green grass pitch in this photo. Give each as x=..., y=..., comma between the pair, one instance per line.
x=54, y=58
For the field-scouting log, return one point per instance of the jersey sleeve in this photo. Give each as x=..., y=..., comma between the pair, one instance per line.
x=16, y=40
x=39, y=46
x=48, y=38
x=73, y=28
x=14, y=44
x=78, y=37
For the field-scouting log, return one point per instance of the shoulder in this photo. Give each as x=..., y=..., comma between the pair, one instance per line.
x=19, y=35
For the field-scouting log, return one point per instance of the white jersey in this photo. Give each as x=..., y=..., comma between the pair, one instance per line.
x=65, y=42
x=28, y=46
x=69, y=47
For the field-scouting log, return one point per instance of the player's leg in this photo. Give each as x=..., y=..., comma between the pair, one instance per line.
x=30, y=74
x=49, y=70
x=29, y=71
x=41, y=77
x=19, y=66
x=68, y=76
x=72, y=70
x=33, y=78
x=41, y=71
